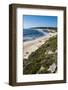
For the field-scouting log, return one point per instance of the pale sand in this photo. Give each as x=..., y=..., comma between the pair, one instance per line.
x=31, y=46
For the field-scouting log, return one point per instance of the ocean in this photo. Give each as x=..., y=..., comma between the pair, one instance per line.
x=31, y=34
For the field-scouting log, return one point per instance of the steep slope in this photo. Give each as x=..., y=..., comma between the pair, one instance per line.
x=43, y=60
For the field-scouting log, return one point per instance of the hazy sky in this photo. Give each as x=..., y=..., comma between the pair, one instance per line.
x=39, y=21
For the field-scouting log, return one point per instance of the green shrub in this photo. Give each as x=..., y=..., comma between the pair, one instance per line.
x=39, y=58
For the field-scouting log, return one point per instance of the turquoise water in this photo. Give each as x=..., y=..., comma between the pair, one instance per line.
x=30, y=34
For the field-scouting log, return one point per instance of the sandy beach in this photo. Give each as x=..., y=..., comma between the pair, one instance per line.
x=31, y=46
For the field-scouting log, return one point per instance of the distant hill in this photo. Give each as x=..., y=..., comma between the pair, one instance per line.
x=55, y=28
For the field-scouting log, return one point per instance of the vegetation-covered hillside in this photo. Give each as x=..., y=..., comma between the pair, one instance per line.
x=43, y=60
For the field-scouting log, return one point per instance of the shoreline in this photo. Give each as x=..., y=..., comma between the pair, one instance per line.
x=31, y=46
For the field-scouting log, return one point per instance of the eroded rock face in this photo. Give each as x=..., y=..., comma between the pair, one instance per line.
x=52, y=68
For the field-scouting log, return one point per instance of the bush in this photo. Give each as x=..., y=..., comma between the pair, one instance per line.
x=39, y=58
